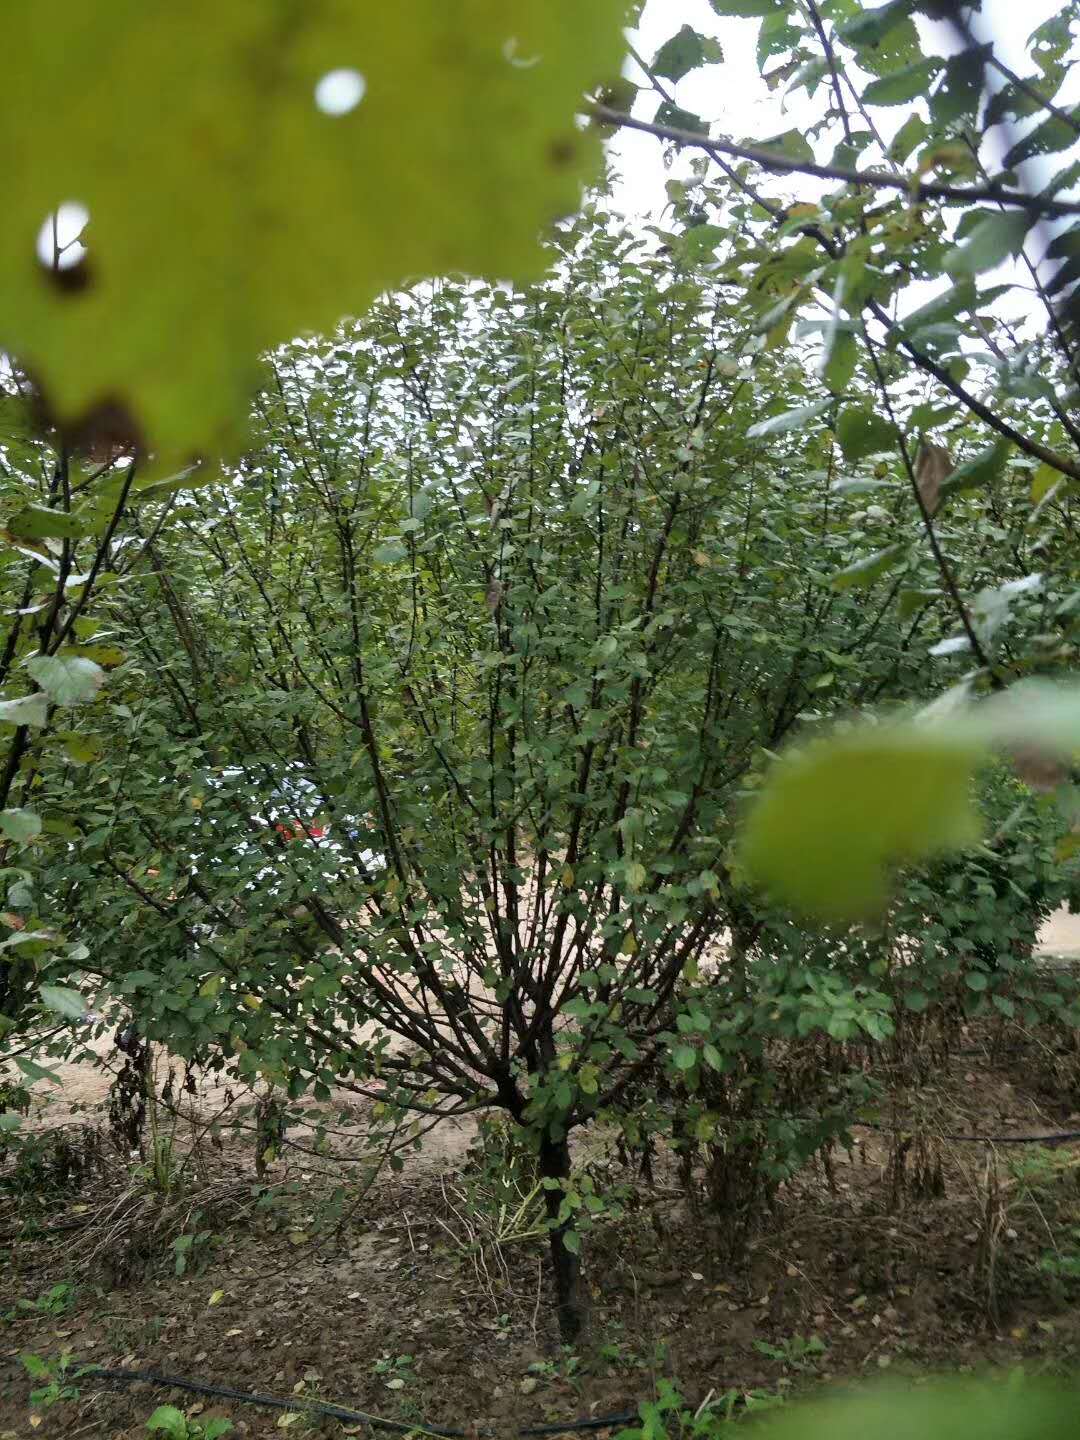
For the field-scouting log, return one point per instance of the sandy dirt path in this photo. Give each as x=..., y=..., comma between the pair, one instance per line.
x=1061, y=935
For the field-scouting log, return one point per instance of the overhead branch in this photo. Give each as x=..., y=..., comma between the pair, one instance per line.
x=878, y=179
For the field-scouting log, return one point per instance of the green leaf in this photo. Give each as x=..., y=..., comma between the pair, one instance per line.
x=789, y=420
x=20, y=825
x=1066, y=274
x=992, y=240
x=389, y=552
x=35, y=1072
x=63, y=1001
x=169, y=1419
x=946, y=306
x=684, y=52
x=21, y=895
x=192, y=477
x=454, y=127
x=582, y=503
x=868, y=569
x=983, y=467
x=1045, y=479
x=810, y=75
x=909, y=601
x=792, y=144
x=1051, y=136
x=27, y=710
x=619, y=95
x=572, y=1240
x=911, y=134
x=67, y=679
x=834, y=817
x=961, y=88
x=37, y=938
x=945, y=1410
x=1012, y=103
x=839, y=359
x=700, y=241
x=19, y=421
x=685, y=1057
x=749, y=9
x=80, y=749
x=903, y=85
x=871, y=25
x=862, y=432
x=38, y=522
x=885, y=37
x=775, y=36
x=680, y=119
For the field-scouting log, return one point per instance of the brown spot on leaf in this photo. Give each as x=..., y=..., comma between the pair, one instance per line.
x=70, y=279
x=107, y=433
x=933, y=466
x=561, y=152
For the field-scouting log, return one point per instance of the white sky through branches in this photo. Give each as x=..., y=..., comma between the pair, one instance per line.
x=735, y=98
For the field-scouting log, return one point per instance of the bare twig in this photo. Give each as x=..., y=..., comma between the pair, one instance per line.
x=880, y=179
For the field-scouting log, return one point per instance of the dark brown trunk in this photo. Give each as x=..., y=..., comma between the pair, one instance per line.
x=565, y=1264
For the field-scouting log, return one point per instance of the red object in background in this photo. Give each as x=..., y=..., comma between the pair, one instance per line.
x=296, y=831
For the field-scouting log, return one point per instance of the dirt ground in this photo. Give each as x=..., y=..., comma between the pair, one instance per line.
x=397, y=1318
x=900, y=1255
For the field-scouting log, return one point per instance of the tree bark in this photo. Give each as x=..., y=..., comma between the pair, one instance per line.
x=565, y=1264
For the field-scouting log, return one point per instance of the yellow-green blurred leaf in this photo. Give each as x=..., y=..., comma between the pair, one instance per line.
x=240, y=173
x=946, y=1411
x=833, y=817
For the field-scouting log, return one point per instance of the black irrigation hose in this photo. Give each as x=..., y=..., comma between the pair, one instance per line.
x=339, y=1412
